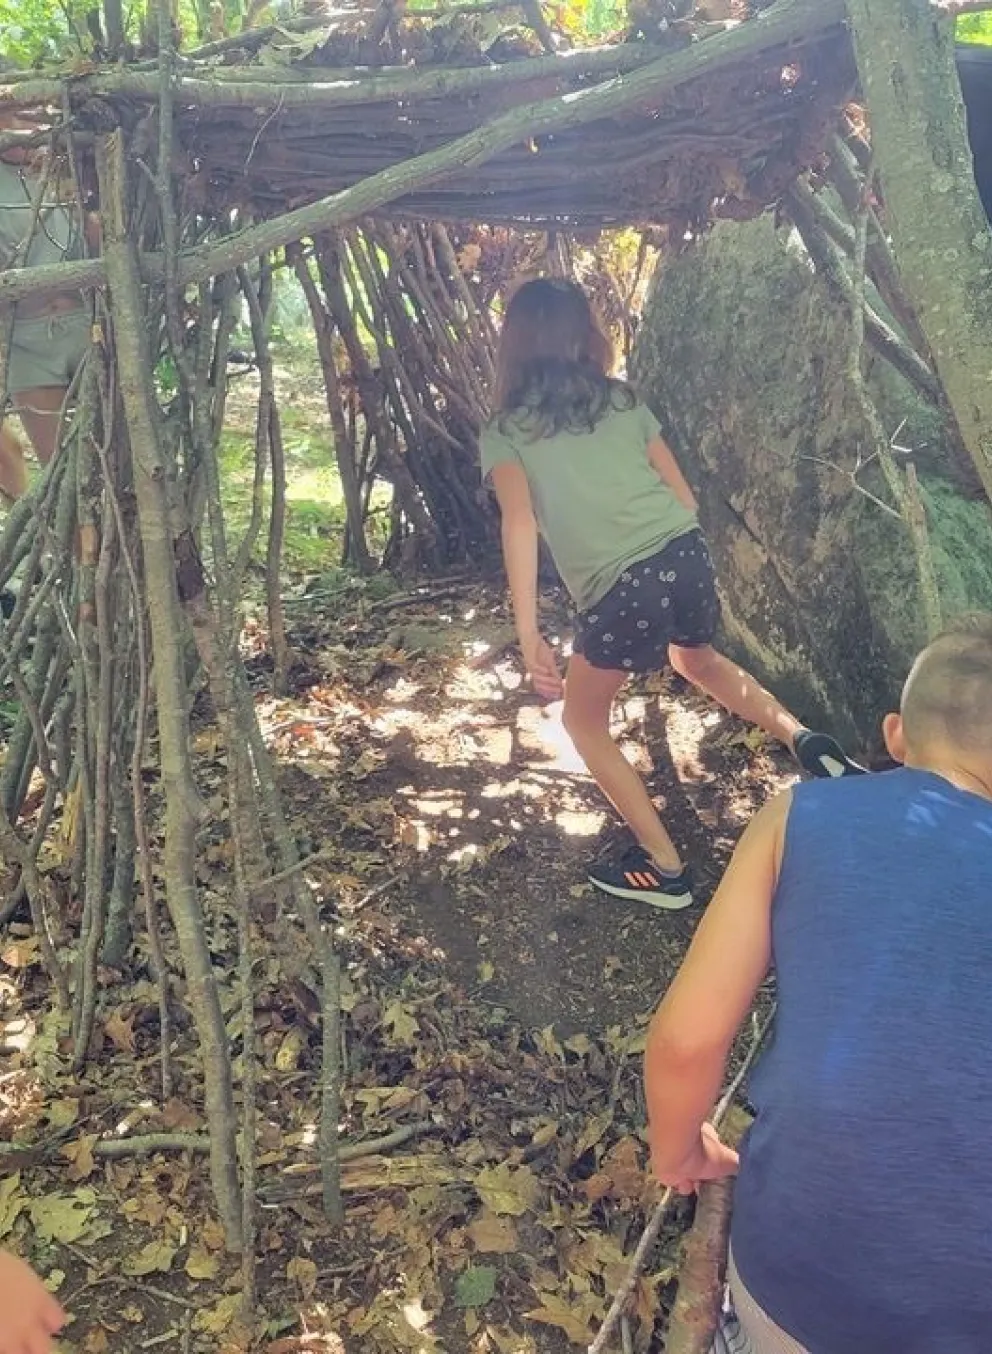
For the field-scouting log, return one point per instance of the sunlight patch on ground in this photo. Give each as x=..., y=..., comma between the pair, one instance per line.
x=584, y=824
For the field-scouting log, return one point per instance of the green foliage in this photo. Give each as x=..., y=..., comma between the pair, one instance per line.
x=39, y=30
x=600, y=17
x=476, y=1286
x=975, y=28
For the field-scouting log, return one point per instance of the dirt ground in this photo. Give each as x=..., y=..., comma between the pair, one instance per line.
x=495, y=1009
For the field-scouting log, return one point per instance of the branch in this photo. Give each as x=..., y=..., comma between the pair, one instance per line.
x=815, y=228
x=697, y=1307
x=787, y=22
x=657, y=1219
x=285, y=87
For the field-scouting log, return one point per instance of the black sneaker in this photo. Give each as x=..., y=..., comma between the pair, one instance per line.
x=637, y=877
x=823, y=757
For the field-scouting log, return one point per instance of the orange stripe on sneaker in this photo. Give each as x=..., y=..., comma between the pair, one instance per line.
x=631, y=878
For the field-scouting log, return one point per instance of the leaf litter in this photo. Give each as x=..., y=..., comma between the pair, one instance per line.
x=493, y=1010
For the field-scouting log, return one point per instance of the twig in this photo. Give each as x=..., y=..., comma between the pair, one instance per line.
x=330, y=1084
x=657, y=1219
x=273, y=880
x=146, y=1143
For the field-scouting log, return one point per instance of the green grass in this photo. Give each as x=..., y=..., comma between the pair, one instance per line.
x=315, y=515
x=314, y=500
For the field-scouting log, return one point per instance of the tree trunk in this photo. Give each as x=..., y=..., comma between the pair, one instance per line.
x=905, y=55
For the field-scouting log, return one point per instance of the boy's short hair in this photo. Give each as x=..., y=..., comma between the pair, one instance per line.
x=948, y=694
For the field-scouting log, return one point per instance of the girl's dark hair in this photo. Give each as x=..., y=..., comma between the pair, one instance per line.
x=554, y=362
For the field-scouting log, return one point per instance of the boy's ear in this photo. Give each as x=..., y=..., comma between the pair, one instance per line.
x=895, y=737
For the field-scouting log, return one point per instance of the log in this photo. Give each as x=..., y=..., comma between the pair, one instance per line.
x=789, y=21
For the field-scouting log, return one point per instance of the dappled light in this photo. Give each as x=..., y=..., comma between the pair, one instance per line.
x=327, y=960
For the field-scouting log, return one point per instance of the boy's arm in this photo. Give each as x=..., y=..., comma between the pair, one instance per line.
x=661, y=457
x=694, y=1027
x=519, y=536
x=29, y=1315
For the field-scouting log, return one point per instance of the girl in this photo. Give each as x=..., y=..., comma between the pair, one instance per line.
x=572, y=454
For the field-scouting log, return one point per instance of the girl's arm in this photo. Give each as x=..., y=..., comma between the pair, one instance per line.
x=661, y=457
x=519, y=536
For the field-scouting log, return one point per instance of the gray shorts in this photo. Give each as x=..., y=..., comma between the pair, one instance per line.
x=46, y=350
x=745, y=1328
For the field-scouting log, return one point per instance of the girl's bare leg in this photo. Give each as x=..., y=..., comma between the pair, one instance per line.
x=735, y=689
x=589, y=695
x=13, y=473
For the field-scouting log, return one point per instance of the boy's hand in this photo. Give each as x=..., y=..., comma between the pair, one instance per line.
x=29, y=1315
x=710, y=1159
x=543, y=667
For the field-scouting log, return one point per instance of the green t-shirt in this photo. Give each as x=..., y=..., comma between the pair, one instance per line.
x=599, y=503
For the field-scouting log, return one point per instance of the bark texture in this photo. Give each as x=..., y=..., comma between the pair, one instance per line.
x=905, y=55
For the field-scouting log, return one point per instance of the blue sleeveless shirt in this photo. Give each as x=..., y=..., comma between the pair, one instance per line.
x=863, y=1211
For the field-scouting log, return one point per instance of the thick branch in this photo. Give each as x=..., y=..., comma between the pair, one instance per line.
x=806, y=213
x=286, y=87
x=788, y=22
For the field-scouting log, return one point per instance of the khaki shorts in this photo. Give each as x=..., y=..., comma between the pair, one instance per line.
x=46, y=350
x=745, y=1328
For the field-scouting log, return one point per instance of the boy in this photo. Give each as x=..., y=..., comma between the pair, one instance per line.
x=29, y=1315
x=861, y=1215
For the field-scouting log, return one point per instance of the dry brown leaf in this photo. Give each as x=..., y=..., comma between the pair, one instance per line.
x=80, y=1156
x=19, y=954
x=156, y=1257
x=555, y=1312
x=212, y=1235
x=493, y=1235
x=623, y=1163
x=179, y=1117
x=506, y=1190
x=593, y=1133
x=597, y=1187
x=304, y=1273
x=202, y=1264
x=120, y=1032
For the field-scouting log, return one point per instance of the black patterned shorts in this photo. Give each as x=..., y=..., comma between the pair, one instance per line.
x=667, y=599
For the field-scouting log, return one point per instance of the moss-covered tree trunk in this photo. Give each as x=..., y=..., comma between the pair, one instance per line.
x=943, y=244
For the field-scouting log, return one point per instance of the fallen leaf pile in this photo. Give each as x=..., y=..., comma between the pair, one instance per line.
x=501, y=1219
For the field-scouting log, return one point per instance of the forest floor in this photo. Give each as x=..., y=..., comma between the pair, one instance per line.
x=496, y=1008
x=495, y=1011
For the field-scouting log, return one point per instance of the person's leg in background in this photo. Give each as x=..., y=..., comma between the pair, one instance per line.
x=13, y=471
x=694, y=608
x=743, y=695
x=589, y=696
x=653, y=871
x=40, y=411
